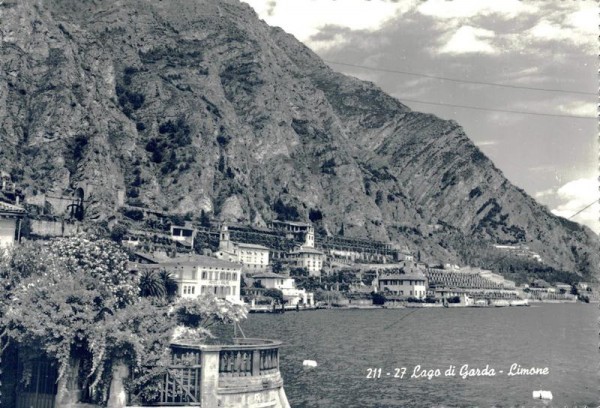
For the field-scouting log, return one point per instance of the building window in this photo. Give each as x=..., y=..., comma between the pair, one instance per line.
x=203, y=274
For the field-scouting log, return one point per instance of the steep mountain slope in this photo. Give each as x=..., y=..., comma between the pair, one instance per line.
x=199, y=105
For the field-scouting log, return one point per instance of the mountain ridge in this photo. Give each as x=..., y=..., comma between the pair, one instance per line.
x=194, y=106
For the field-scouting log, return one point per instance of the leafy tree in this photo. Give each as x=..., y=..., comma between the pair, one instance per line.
x=25, y=227
x=328, y=296
x=379, y=197
x=169, y=284
x=275, y=294
x=136, y=215
x=206, y=311
x=204, y=219
x=299, y=272
x=285, y=212
x=75, y=300
x=151, y=284
x=315, y=215
x=72, y=288
x=178, y=220
x=118, y=233
x=378, y=298
x=277, y=267
x=310, y=283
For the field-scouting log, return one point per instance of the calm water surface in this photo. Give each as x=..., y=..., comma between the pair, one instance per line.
x=346, y=343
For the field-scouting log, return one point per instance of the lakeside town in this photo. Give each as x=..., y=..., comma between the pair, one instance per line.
x=284, y=265
x=197, y=271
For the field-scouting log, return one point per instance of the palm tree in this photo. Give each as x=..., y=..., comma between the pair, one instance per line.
x=152, y=285
x=169, y=283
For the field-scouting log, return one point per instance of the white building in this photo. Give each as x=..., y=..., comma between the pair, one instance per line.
x=287, y=286
x=10, y=224
x=255, y=258
x=185, y=235
x=306, y=256
x=408, y=285
x=309, y=258
x=197, y=275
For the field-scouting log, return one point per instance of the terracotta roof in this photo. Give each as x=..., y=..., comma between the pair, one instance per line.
x=11, y=208
x=455, y=290
x=271, y=275
x=241, y=244
x=294, y=223
x=200, y=260
x=189, y=260
x=403, y=276
x=146, y=257
x=307, y=250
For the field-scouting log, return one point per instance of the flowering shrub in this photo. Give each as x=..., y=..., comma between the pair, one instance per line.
x=75, y=299
x=207, y=310
x=103, y=261
x=64, y=297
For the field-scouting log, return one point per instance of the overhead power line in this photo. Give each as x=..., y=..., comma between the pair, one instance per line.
x=465, y=81
x=583, y=209
x=557, y=115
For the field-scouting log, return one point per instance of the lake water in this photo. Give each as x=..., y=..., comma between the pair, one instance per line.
x=347, y=343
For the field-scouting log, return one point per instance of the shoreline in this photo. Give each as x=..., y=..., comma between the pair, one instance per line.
x=410, y=306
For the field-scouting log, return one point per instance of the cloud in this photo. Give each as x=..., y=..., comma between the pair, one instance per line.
x=485, y=143
x=468, y=40
x=334, y=37
x=464, y=9
x=544, y=169
x=327, y=42
x=560, y=104
x=271, y=7
x=577, y=195
x=306, y=18
x=577, y=25
x=545, y=193
x=579, y=108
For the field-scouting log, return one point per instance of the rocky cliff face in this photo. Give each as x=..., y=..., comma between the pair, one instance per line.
x=193, y=106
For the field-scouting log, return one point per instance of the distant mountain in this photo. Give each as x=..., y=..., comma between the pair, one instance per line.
x=199, y=105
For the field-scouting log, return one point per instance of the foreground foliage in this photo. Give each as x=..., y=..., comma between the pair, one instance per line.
x=75, y=300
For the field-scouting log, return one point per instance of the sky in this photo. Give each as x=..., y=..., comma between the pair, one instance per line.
x=405, y=46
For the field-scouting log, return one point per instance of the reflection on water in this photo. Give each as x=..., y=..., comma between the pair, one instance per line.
x=347, y=343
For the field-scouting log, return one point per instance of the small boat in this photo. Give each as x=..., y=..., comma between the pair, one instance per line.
x=309, y=363
x=545, y=395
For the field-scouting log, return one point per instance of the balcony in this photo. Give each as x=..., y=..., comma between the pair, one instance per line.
x=239, y=374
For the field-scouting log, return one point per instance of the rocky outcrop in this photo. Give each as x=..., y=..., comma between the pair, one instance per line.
x=192, y=106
